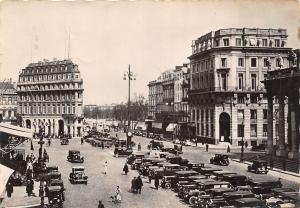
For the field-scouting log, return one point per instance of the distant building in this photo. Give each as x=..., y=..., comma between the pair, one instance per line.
x=8, y=102
x=50, y=95
x=227, y=100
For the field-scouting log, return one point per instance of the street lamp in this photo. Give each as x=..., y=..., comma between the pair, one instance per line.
x=242, y=148
x=129, y=76
x=41, y=163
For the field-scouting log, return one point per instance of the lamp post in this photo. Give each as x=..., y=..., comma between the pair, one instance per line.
x=129, y=76
x=41, y=163
x=242, y=148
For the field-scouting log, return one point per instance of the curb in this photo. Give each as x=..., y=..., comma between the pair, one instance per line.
x=274, y=169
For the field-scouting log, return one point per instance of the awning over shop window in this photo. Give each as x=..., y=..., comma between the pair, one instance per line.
x=171, y=127
x=16, y=130
x=157, y=125
x=5, y=173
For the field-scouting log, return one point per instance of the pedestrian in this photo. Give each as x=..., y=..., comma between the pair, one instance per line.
x=27, y=158
x=196, y=141
x=228, y=149
x=29, y=187
x=100, y=205
x=206, y=147
x=133, y=185
x=82, y=143
x=118, y=194
x=105, y=168
x=125, y=168
x=149, y=176
x=9, y=189
x=102, y=144
x=246, y=144
x=139, y=184
x=139, y=147
x=156, y=181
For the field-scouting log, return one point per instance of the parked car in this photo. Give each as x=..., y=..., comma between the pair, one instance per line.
x=74, y=156
x=122, y=151
x=155, y=145
x=235, y=179
x=248, y=202
x=258, y=166
x=220, y=159
x=78, y=175
x=55, y=196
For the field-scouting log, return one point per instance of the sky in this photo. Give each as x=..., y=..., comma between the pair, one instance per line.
x=107, y=36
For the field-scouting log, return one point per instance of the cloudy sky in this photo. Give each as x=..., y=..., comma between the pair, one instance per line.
x=106, y=36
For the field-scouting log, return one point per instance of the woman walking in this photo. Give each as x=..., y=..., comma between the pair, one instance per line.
x=125, y=168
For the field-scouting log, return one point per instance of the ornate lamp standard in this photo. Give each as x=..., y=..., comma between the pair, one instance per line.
x=129, y=76
x=242, y=148
x=41, y=163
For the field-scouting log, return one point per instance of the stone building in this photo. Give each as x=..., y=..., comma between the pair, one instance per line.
x=8, y=102
x=152, y=99
x=50, y=96
x=283, y=88
x=227, y=99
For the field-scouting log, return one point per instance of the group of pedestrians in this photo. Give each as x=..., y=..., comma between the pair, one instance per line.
x=136, y=185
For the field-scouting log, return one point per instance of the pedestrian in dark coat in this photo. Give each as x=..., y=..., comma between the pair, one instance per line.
x=9, y=189
x=100, y=205
x=149, y=177
x=246, y=144
x=228, y=149
x=139, y=184
x=156, y=182
x=206, y=147
x=133, y=185
x=125, y=169
x=29, y=187
x=139, y=147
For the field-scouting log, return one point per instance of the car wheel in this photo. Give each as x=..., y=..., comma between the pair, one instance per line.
x=192, y=200
x=168, y=185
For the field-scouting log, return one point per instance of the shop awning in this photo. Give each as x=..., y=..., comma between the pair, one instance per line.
x=16, y=130
x=5, y=173
x=157, y=125
x=171, y=127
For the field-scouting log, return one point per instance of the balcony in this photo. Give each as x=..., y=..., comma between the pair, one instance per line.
x=228, y=89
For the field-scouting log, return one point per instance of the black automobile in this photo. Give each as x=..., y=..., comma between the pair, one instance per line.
x=236, y=179
x=122, y=151
x=64, y=141
x=258, y=166
x=74, y=156
x=177, y=160
x=55, y=197
x=249, y=202
x=220, y=159
x=155, y=145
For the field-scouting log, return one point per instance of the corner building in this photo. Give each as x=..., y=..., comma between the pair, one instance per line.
x=228, y=102
x=50, y=95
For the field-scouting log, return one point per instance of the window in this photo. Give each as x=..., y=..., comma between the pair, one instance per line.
x=240, y=130
x=253, y=81
x=253, y=130
x=207, y=130
x=226, y=42
x=253, y=114
x=223, y=62
x=240, y=114
x=238, y=42
x=253, y=62
x=265, y=113
x=241, y=99
x=217, y=43
x=277, y=62
x=265, y=76
x=212, y=130
x=197, y=67
x=241, y=81
x=241, y=62
x=277, y=43
x=224, y=81
x=197, y=115
x=202, y=129
x=265, y=62
x=265, y=130
x=253, y=99
x=202, y=115
x=264, y=42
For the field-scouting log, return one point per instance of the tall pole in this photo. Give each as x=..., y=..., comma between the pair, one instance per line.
x=128, y=116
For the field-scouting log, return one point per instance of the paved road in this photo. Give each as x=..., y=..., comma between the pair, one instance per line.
x=101, y=186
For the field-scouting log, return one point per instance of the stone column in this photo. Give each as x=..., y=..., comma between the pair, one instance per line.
x=294, y=131
x=270, y=148
x=281, y=128
x=55, y=127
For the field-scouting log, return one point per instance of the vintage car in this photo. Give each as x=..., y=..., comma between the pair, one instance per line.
x=220, y=159
x=235, y=179
x=136, y=155
x=262, y=187
x=248, y=202
x=218, y=192
x=55, y=196
x=199, y=167
x=168, y=182
x=74, y=156
x=52, y=168
x=51, y=176
x=258, y=166
x=185, y=189
x=78, y=175
x=64, y=141
x=155, y=145
x=106, y=142
x=184, y=175
x=193, y=165
x=177, y=160
x=219, y=174
x=231, y=196
x=208, y=170
x=60, y=183
x=122, y=151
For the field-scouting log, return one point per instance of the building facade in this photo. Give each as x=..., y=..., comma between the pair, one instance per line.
x=152, y=99
x=283, y=88
x=227, y=99
x=8, y=102
x=50, y=96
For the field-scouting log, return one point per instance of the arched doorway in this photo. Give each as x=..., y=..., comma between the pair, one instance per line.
x=61, y=127
x=28, y=123
x=224, y=122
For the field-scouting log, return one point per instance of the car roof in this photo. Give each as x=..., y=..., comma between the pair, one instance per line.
x=224, y=172
x=54, y=188
x=186, y=172
x=78, y=167
x=171, y=165
x=234, y=176
x=74, y=151
x=238, y=193
x=246, y=200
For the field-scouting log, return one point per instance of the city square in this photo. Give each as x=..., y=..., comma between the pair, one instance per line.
x=111, y=116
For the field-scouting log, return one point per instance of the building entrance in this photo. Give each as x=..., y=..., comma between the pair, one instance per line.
x=224, y=122
x=61, y=127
